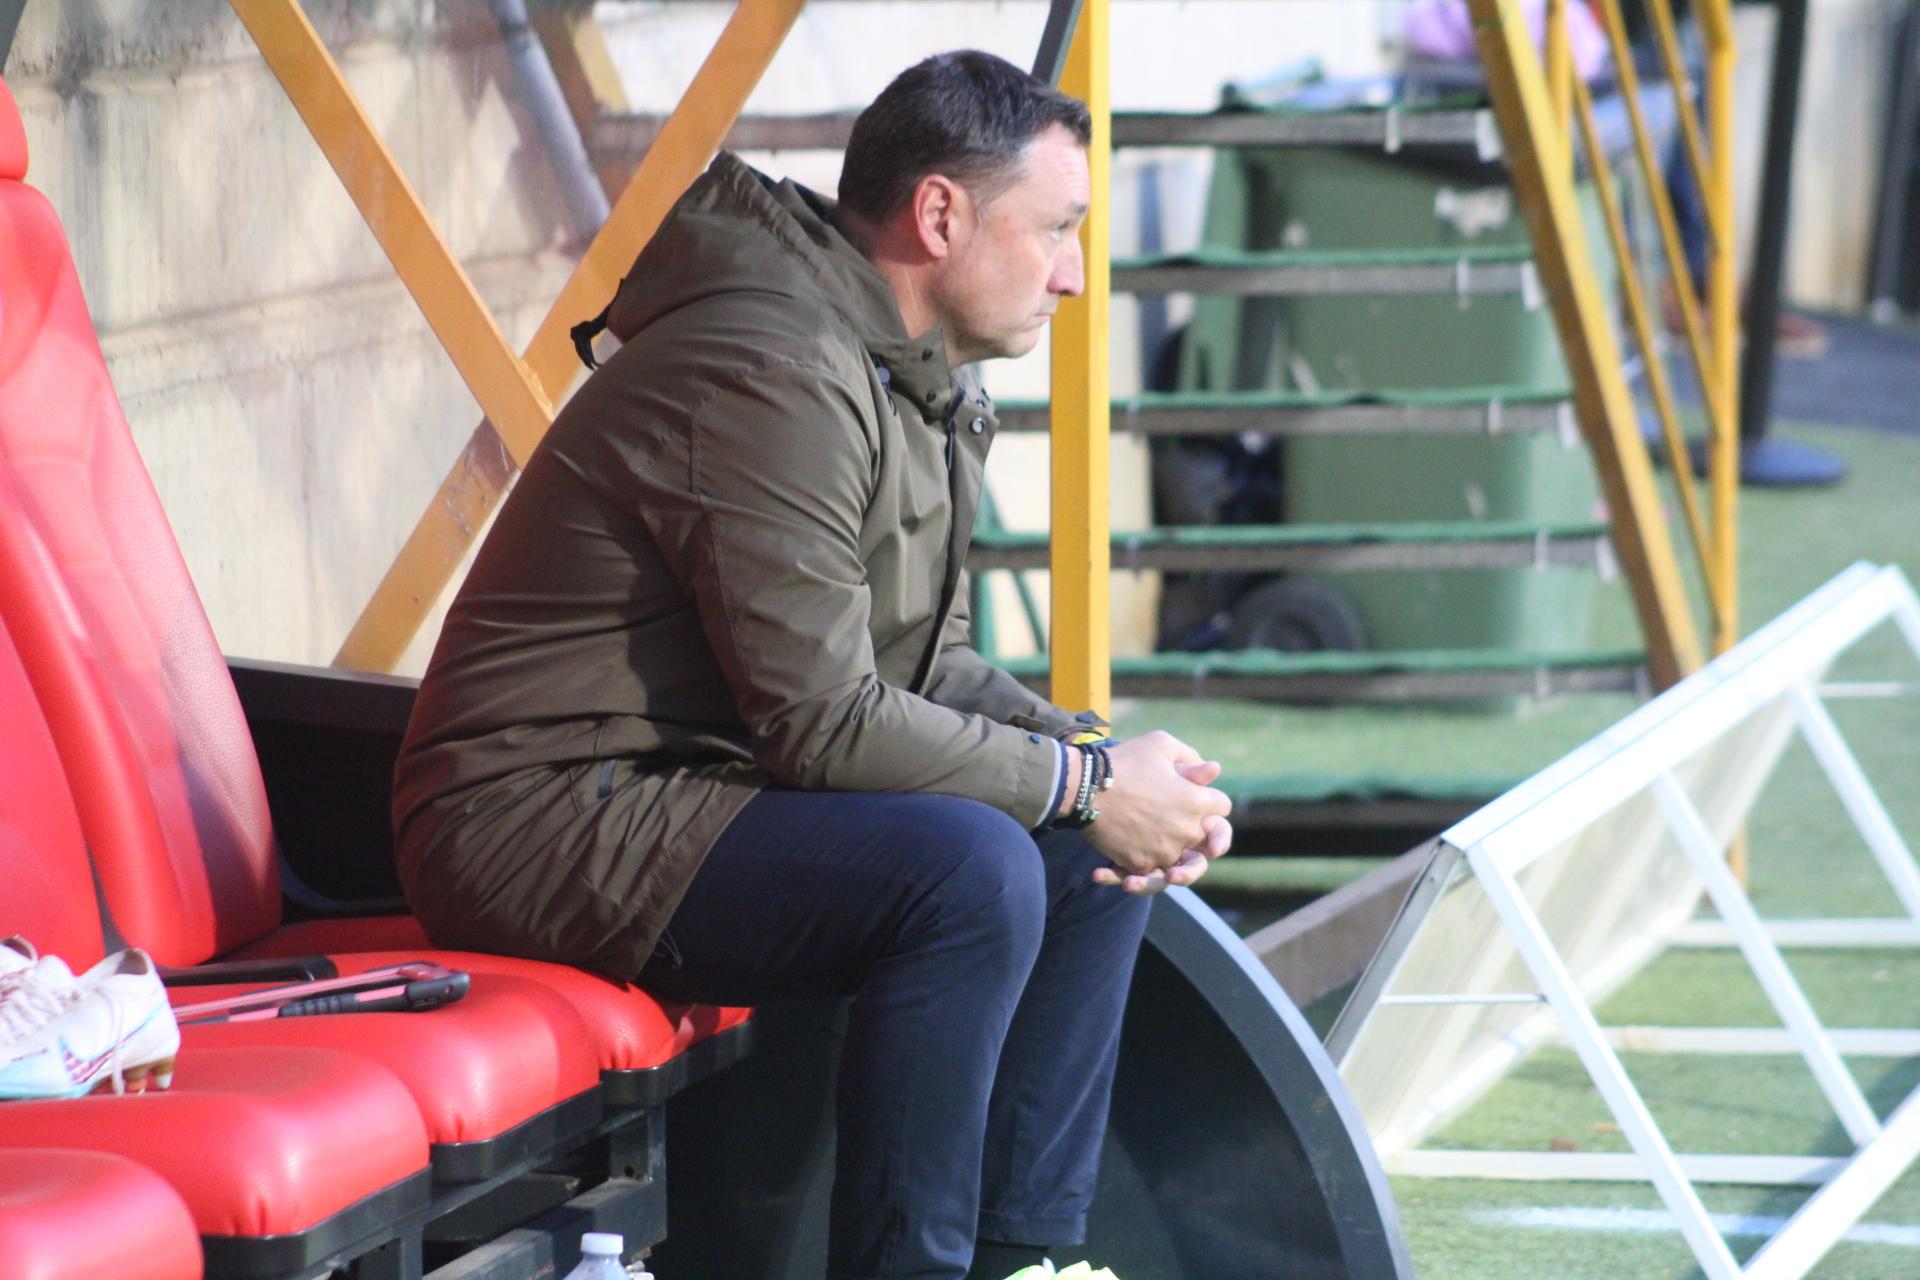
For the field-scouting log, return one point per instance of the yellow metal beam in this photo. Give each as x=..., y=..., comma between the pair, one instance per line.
x=507, y=393
x=1081, y=645
x=1641, y=318
x=1685, y=287
x=1560, y=75
x=1604, y=404
x=1667, y=34
x=1723, y=444
x=458, y=510
x=1723, y=448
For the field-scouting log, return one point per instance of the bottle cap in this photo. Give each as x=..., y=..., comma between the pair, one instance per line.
x=601, y=1244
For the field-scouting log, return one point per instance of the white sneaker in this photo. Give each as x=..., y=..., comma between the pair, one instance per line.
x=110, y=1028
x=16, y=954
x=34, y=989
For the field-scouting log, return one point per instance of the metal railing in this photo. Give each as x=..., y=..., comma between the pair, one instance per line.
x=1543, y=105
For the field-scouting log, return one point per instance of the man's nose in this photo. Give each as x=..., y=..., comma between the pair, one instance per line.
x=1069, y=270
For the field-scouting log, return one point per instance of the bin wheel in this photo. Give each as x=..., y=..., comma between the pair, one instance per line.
x=1295, y=615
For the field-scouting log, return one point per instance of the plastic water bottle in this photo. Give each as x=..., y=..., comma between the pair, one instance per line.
x=599, y=1258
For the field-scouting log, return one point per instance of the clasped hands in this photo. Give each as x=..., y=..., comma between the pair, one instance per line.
x=1162, y=822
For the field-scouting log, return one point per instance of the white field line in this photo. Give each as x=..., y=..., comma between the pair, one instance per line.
x=1651, y=1220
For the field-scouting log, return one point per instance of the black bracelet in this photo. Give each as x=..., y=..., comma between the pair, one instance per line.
x=1083, y=812
x=1103, y=776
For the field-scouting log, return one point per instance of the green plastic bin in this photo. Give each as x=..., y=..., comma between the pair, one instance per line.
x=1339, y=199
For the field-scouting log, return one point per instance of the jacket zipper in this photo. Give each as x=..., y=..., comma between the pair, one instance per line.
x=925, y=668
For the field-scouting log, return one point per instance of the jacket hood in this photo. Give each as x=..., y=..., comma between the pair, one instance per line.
x=737, y=230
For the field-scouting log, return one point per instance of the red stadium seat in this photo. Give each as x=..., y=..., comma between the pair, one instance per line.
x=283, y=1157
x=276, y=1184
x=87, y=1215
x=506, y=1072
x=137, y=692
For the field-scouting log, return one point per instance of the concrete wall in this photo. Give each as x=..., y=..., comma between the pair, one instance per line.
x=292, y=407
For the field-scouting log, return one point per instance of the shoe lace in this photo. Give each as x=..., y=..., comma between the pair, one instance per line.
x=28, y=1002
x=119, y=1075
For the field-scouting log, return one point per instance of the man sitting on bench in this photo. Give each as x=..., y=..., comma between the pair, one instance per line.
x=704, y=713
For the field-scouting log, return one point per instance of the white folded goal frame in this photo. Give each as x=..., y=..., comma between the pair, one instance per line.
x=1536, y=907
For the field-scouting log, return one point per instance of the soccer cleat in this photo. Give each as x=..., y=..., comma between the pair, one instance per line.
x=16, y=954
x=34, y=989
x=111, y=1028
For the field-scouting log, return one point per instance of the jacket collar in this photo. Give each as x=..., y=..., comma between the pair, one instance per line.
x=916, y=366
x=917, y=370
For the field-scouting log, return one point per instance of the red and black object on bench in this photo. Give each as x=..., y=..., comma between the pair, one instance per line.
x=412, y=987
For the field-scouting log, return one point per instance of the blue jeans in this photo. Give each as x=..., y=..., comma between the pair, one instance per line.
x=987, y=975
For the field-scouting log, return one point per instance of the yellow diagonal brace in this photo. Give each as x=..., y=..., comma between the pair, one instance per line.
x=1685, y=287
x=1560, y=73
x=505, y=390
x=1641, y=317
x=458, y=510
x=1081, y=647
x=1681, y=82
x=1605, y=407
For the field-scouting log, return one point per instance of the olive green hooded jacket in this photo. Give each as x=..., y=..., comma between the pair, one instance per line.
x=734, y=562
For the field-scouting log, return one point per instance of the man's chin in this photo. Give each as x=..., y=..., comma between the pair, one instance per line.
x=1006, y=347
x=1021, y=343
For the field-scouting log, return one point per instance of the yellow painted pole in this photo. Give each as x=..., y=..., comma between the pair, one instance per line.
x=1580, y=310
x=506, y=391
x=1723, y=305
x=1667, y=33
x=1641, y=318
x=1560, y=75
x=1723, y=452
x=458, y=510
x=1081, y=645
x=1699, y=342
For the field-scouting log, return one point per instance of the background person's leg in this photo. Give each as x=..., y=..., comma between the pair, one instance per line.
x=928, y=911
x=1048, y=1114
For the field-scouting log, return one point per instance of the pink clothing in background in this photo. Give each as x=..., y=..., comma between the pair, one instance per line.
x=1442, y=29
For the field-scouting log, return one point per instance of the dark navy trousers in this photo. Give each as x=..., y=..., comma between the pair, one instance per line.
x=987, y=976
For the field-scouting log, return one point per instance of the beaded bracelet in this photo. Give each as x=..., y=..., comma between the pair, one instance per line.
x=1096, y=775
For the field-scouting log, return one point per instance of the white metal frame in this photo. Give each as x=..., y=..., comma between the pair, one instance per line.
x=1786, y=659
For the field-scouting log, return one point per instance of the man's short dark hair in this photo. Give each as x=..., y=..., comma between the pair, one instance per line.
x=967, y=114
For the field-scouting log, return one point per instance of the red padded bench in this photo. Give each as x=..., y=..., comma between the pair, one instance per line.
x=86, y=1215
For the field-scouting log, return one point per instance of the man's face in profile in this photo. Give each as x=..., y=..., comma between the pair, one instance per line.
x=1017, y=254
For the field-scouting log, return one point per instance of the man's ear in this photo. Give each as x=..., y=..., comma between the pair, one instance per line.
x=939, y=207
